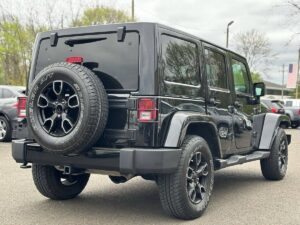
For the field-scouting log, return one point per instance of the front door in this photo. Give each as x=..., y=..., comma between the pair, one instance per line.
x=244, y=108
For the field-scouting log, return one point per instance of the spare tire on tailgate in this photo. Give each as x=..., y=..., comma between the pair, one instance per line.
x=67, y=108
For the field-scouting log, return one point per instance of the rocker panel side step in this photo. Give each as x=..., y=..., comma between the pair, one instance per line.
x=240, y=159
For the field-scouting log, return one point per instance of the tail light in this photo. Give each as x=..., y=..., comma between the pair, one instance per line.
x=274, y=110
x=75, y=59
x=22, y=107
x=147, y=110
x=298, y=111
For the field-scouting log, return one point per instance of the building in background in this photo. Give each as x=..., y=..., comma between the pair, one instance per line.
x=273, y=90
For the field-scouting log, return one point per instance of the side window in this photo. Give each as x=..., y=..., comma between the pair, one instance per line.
x=215, y=69
x=7, y=93
x=240, y=77
x=1, y=93
x=179, y=61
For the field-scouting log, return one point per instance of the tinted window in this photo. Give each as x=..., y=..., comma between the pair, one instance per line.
x=277, y=105
x=116, y=63
x=240, y=77
x=215, y=69
x=179, y=61
x=1, y=93
x=7, y=93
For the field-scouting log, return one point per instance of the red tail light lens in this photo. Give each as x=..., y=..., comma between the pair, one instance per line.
x=22, y=107
x=147, y=110
x=274, y=110
x=75, y=59
x=299, y=112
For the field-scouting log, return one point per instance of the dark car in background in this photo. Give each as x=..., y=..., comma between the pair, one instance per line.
x=10, y=99
x=275, y=106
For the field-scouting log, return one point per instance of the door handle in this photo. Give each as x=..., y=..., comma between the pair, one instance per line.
x=237, y=104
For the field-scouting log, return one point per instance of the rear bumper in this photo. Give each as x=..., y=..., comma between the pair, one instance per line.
x=126, y=160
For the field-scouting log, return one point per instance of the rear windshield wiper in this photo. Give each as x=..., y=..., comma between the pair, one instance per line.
x=74, y=41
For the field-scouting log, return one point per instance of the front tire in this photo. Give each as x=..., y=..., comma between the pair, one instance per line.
x=185, y=194
x=275, y=167
x=51, y=183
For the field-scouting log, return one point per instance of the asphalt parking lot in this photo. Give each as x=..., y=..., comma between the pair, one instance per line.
x=241, y=196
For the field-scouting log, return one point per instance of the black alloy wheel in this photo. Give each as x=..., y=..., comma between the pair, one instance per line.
x=283, y=156
x=59, y=108
x=197, y=178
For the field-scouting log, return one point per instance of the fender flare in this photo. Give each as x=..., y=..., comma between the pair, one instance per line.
x=179, y=124
x=271, y=123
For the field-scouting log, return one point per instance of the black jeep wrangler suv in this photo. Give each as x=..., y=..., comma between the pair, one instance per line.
x=143, y=99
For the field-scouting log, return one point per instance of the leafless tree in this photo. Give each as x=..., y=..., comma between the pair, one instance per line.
x=256, y=48
x=291, y=8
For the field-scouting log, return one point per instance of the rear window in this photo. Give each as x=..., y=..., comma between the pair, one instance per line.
x=277, y=105
x=116, y=63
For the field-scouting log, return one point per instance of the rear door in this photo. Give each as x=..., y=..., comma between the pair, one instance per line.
x=218, y=93
x=244, y=109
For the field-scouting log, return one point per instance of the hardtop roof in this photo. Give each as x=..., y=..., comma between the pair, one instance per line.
x=142, y=24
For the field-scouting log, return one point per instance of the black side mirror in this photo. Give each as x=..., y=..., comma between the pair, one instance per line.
x=259, y=89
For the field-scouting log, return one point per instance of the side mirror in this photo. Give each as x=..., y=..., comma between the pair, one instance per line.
x=259, y=89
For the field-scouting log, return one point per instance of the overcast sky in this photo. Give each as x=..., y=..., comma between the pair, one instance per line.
x=208, y=19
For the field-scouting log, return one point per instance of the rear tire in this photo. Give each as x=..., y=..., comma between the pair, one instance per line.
x=185, y=194
x=275, y=166
x=51, y=183
x=5, y=129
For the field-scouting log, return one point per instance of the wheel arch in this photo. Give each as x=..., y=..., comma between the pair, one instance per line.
x=272, y=123
x=191, y=123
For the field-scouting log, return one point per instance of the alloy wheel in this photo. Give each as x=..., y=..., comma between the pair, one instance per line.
x=282, y=155
x=3, y=129
x=59, y=108
x=197, y=177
